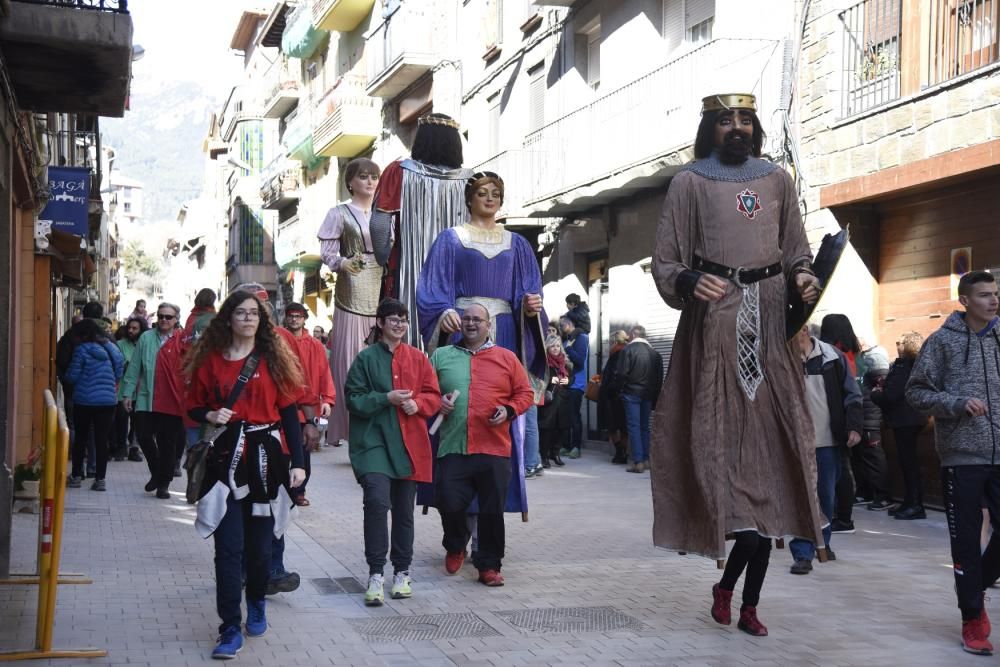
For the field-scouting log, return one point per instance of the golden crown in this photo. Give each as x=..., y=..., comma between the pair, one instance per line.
x=728, y=101
x=436, y=120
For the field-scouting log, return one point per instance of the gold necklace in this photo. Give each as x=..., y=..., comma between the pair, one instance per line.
x=479, y=235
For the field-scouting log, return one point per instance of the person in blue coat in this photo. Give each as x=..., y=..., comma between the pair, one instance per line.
x=94, y=372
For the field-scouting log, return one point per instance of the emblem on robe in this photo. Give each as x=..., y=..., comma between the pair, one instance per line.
x=748, y=203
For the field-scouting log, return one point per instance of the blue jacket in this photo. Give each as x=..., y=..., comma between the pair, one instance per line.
x=577, y=348
x=94, y=372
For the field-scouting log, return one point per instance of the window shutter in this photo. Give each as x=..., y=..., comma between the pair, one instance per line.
x=673, y=23
x=594, y=58
x=698, y=11
x=536, y=98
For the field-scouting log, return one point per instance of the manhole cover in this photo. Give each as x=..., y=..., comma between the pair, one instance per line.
x=338, y=586
x=571, y=619
x=417, y=628
x=86, y=509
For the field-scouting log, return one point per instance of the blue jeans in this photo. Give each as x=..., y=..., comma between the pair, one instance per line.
x=827, y=474
x=240, y=538
x=531, y=457
x=637, y=414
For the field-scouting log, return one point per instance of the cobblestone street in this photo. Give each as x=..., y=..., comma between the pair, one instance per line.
x=584, y=587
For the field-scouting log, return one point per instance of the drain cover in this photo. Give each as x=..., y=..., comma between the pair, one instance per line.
x=571, y=619
x=338, y=586
x=417, y=628
x=86, y=509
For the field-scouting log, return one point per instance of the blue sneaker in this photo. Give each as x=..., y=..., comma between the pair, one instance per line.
x=256, y=619
x=230, y=643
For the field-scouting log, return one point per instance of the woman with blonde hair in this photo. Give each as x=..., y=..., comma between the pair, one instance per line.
x=906, y=424
x=553, y=414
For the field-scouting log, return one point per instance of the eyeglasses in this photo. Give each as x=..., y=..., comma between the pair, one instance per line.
x=473, y=320
x=241, y=314
x=164, y=316
x=397, y=321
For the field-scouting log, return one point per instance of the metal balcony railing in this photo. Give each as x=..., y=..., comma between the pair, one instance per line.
x=871, y=67
x=963, y=37
x=412, y=35
x=116, y=6
x=650, y=117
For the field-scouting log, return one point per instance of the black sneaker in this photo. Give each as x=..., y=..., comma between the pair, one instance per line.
x=830, y=555
x=802, y=567
x=911, y=513
x=151, y=485
x=880, y=505
x=177, y=469
x=844, y=527
x=74, y=482
x=282, y=582
x=134, y=455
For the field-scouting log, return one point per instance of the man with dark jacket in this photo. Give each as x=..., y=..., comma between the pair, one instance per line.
x=835, y=405
x=92, y=310
x=956, y=379
x=578, y=312
x=638, y=380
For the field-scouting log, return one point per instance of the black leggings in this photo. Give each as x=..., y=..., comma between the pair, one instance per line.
x=751, y=552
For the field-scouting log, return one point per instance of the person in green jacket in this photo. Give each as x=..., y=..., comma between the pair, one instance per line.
x=137, y=386
x=391, y=391
x=128, y=337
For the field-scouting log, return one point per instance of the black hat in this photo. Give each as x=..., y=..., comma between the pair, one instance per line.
x=295, y=307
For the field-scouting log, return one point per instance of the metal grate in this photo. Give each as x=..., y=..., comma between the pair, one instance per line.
x=338, y=586
x=420, y=628
x=86, y=509
x=572, y=619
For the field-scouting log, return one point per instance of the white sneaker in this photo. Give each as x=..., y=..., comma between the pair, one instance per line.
x=401, y=586
x=375, y=596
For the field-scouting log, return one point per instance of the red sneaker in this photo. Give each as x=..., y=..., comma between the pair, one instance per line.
x=984, y=619
x=490, y=577
x=453, y=561
x=750, y=624
x=721, y=602
x=974, y=639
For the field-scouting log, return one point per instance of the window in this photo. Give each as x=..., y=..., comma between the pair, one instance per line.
x=536, y=97
x=128, y=207
x=494, y=124
x=700, y=33
x=493, y=23
x=594, y=57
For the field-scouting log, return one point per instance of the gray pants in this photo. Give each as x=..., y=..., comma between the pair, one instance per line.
x=382, y=494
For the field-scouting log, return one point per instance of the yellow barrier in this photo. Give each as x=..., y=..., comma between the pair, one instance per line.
x=53, y=489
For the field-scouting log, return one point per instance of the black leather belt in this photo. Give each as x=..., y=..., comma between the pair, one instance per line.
x=739, y=275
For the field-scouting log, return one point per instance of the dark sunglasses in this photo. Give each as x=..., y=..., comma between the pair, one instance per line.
x=161, y=316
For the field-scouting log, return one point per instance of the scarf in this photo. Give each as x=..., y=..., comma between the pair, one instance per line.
x=557, y=362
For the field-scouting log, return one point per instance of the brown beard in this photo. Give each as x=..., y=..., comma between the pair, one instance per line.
x=735, y=148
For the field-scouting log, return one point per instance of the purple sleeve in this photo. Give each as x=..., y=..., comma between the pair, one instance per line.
x=528, y=280
x=436, y=285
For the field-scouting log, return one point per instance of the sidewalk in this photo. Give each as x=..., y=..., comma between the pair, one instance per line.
x=584, y=587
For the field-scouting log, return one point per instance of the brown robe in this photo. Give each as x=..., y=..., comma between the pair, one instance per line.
x=721, y=462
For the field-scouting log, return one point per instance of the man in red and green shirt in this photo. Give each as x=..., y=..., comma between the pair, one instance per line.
x=474, y=448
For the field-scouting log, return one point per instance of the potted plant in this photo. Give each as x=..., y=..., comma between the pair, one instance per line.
x=26, y=479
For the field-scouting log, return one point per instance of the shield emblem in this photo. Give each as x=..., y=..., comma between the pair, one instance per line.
x=748, y=203
x=825, y=263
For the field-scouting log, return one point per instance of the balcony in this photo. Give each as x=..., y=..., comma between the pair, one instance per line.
x=69, y=57
x=300, y=37
x=347, y=121
x=637, y=136
x=340, y=15
x=280, y=183
x=297, y=138
x=281, y=89
x=404, y=48
x=297, y=246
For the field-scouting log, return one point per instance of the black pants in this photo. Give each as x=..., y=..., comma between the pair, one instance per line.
x=871, y=471
x=844, y=508
x=384, y=494
x=575, y=418
x=122, y=423
x=551, y=440
x=459, y=479
x=909, y=464
x=967, y=489
x=752, y=553
x=159, y=437
x=307, y=459
x=100, y=418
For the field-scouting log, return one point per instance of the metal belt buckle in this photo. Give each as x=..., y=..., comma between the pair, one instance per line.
x=736, y=278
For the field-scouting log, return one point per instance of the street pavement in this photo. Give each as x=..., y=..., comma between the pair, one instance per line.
x=584, y=586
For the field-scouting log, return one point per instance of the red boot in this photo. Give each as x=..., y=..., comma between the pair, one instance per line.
x=721, y=602
x=974, y=639
x=750, y=624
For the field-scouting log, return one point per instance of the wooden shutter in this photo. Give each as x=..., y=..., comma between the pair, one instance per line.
x=697, y=11
x=536, y=97
x=673, y=24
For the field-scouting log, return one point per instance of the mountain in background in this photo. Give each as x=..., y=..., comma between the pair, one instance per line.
x=159, y=143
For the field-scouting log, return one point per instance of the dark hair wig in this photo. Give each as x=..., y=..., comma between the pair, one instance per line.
x=438, y=144
x=836, y=330
x=704, y=142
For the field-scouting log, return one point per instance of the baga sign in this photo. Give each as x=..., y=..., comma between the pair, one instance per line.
x=70, y=193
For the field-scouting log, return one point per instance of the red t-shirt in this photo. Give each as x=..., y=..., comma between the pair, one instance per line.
x=259, y=402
